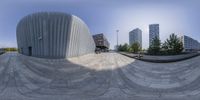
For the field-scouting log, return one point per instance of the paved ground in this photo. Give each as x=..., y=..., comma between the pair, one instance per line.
x=107, y=76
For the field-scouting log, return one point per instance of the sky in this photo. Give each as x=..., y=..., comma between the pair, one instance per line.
x=107, y=16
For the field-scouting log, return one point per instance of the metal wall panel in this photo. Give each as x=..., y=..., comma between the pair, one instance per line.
x=54, y=35
x=81, y=41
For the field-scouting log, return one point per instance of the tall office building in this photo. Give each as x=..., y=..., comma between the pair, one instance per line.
x=190, y=44
x=153, y=32
x=135, y=36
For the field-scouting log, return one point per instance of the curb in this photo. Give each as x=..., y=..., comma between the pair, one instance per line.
x=161, y=61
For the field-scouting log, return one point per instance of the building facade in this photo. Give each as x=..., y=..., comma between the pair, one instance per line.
x=153, y=32
x=53, y=35
x=101, y=41
x=135, y=36
x=2, y=50
x=190, y=44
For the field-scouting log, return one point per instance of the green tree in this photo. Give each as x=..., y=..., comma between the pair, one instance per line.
x=119, y=48
x=155, y=47
x=123, y=47
x=135, y=47
x=173, y=45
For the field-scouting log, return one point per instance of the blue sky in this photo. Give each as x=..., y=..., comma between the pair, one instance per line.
x=106, y=16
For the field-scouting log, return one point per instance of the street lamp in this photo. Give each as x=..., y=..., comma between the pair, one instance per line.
x=117, y=37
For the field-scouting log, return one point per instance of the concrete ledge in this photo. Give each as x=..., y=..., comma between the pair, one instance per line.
x=161, y=59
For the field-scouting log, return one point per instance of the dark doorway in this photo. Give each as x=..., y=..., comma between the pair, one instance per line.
x=21, y=51
x=30, y=51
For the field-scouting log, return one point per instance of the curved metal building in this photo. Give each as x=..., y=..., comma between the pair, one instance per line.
x=53, y=35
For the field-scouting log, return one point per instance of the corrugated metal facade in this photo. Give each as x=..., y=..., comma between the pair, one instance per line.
x=53, y=35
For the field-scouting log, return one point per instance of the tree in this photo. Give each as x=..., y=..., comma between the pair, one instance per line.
x=173, y=45
x=123, y=47
x=154, y=48
x=135, y=47
x=119, y=48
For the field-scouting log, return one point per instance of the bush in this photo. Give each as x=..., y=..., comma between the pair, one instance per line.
x=10, y=49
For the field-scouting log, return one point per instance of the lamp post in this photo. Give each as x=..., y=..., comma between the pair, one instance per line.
x=117, y=38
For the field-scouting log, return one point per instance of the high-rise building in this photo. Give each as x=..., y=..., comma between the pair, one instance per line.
x=190, y=44
x=153, y=32
x=135, y=36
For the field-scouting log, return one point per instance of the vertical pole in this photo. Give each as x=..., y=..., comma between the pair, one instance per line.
x=117, y=37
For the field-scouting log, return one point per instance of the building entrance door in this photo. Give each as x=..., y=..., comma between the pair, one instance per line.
x=30, y=51
x=21, y=51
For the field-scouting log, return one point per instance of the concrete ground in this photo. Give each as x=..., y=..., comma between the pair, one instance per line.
x=106, y=76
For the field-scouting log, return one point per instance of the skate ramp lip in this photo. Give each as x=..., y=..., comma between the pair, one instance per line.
x=161, y=59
